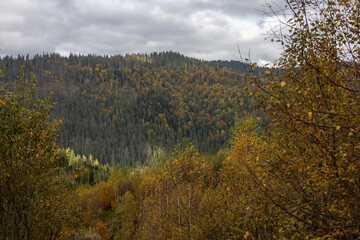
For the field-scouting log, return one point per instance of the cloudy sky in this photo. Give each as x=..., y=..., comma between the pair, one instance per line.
x=205, y=29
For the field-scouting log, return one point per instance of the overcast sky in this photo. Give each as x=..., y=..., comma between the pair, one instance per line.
x=205, y=29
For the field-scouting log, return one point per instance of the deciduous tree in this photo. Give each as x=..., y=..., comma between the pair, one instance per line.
x=313, y=107
x=35, y=200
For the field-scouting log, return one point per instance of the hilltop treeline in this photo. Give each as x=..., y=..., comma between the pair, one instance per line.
x=296, y=178
x=132, y=108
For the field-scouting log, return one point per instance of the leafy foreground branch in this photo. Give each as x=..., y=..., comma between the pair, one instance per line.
x=313, y=108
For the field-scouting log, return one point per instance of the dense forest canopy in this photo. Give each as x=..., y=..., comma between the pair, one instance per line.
x=134, y=108
x=295, y=177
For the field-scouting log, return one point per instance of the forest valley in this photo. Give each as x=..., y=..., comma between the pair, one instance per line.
x=163, y=146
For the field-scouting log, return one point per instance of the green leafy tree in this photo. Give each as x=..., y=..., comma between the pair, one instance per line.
x=35, y=199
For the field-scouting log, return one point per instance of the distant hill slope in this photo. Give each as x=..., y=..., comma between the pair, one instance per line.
x=133, y=108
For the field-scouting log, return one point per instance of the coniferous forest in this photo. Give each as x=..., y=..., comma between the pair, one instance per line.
x=163, y=146
x=134, y=108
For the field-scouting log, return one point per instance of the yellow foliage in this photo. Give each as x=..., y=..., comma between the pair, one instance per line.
x=102, y=230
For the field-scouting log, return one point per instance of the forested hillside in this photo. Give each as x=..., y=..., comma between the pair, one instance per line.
x=133, y=108
x=297, y=177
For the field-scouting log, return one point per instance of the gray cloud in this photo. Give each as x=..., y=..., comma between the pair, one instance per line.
x=207, y=29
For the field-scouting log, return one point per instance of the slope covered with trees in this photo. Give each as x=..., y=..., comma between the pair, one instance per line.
x=132, y=108
x=296, y=178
